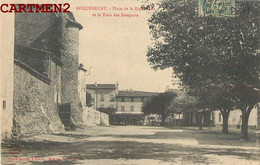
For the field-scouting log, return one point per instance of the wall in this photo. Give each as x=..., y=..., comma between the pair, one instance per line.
x=35, y=108
x=36, y=97
x=235, y=120
x=82, y=86
x=104, y=119
x=92, y=117
x=6, y=73
x=128, y=102
x=38, y=30
x=127, y=105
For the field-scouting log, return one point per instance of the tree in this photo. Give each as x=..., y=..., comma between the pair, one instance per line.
x=183, y=103
x=246, y=97
x=216, y=98
x=89, y=100
x=208, y=53
x=159, y=104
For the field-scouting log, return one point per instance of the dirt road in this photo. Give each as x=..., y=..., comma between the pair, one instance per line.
x=132, y=145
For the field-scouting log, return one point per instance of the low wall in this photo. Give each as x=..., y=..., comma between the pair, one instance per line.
x=104, y=119
x=92, y=117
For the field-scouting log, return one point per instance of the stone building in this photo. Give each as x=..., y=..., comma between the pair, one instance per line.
x=45, y=74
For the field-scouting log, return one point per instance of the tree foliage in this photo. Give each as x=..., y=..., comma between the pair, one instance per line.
x=184, y=102
x=159, y=104
x=215, y=58
x=89, y=100
x=220, y=50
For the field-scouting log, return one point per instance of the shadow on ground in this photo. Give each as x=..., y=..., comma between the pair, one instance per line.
x=118, y=150
x=75, y=152
x=204, y=137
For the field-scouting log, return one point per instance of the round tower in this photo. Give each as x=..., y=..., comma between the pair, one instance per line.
x=69, y=48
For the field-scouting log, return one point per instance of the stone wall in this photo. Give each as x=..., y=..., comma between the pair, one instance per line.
x=104, y=119
x=38, y=30
x=92, y=117
x=37, y=91
x=35, y=107
x=52, y=41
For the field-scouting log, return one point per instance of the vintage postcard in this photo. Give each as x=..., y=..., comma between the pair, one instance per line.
x=131, y=82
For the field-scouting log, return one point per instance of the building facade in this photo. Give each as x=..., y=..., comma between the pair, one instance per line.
x=235, y=118
x=7, y=77
x=129, y=107
x=103, y=95
x=128, y=103
x=45, y=74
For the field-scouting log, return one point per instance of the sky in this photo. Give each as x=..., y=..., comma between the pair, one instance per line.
x=115, y=47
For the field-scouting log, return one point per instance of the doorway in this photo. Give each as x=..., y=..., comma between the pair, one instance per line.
x=65, y=115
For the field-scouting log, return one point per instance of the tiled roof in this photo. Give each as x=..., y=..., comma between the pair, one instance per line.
x=101, y=86
x=131, y=93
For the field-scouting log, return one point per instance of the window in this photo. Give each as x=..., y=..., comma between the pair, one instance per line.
x=4, y=104
x=111, y=98
x=132, y=99
x=122, y=108
x=132, y=108
x=219, y=117
x=122, y=99
x=102, y=98
x=56, y=97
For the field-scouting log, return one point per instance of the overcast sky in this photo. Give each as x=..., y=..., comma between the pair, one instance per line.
x=115, y=47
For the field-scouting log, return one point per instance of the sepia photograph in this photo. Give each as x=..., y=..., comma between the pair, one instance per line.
x=130, y=82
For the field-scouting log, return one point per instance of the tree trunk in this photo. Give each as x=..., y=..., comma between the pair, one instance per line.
x=163, y=120
x=179, y=120
x=200, y=121
x=225, y=115
x=244, y=128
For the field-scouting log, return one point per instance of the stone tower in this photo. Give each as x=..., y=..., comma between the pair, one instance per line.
x=69, y=46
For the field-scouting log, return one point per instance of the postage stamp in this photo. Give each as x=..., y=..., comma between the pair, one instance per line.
x=218, y=8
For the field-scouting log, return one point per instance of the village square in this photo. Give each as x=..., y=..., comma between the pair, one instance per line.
x=177, y=84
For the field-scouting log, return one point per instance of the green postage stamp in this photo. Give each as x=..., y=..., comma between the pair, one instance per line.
x=218, y=8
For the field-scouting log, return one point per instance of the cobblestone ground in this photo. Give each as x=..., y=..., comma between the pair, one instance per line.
x=133, y=145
